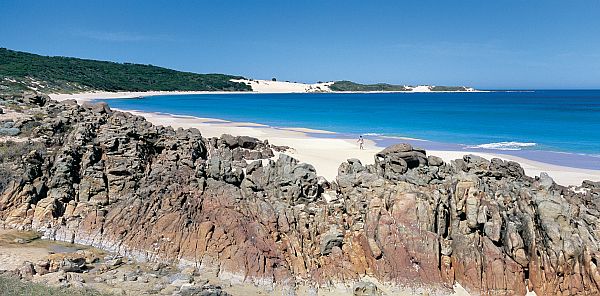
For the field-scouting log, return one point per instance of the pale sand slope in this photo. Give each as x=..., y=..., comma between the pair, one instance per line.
x=268, y=86
x=326, y=154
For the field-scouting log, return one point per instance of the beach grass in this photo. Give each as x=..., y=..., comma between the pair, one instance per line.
x=10, y=285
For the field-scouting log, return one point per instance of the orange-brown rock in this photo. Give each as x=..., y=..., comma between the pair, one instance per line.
x=114, y=181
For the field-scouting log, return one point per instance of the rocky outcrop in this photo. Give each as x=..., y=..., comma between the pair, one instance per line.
x=112, y=180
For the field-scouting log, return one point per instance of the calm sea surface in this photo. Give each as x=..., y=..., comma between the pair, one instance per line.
x=561, y=127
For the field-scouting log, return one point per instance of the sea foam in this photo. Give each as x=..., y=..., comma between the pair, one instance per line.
x=504, y=145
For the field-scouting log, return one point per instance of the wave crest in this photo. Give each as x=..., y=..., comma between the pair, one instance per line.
x=504, y=145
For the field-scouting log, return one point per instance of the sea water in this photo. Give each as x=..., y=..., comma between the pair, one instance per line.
x=555, y=126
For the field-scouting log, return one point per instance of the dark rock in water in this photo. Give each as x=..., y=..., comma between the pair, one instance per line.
x=11, y=131
x=1, y=111
x=113, y=180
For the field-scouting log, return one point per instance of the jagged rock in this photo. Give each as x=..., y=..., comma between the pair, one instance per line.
x=241, y=141
x=395, y=160
x=248, y=142
x=285, y=179
x=66, y=262
x=99, y=107
x=35, y=99
x=434, y=160
x=591, y=185
x=476, y=162
x=333, y=238
x=545, y=181
x=506, y=168
x=229, y=140
x=112, y=180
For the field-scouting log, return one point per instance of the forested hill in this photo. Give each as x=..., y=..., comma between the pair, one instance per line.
x=21, y=71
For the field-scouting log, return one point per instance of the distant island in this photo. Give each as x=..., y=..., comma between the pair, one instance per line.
x=21, y=71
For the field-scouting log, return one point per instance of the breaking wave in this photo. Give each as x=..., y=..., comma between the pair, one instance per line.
x=504, y=145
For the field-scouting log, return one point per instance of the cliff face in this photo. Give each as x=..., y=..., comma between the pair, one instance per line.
x=114, y=181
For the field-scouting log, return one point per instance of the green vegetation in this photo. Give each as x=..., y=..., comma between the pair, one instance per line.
x=352, y=86
x=11, y=151
x=448, y=88
x=15, y=287
x=20, y=71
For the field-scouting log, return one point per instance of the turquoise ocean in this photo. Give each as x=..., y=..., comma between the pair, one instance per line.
x=555, y=126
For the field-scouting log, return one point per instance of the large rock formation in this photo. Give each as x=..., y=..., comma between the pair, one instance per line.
x=112, y=180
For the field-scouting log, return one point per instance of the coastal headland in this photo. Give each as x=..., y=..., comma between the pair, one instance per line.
x=248, y=212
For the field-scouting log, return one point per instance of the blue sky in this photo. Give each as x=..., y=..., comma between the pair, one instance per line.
x=486, y=44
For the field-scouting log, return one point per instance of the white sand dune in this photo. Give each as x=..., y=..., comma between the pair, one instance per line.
x=268, y=86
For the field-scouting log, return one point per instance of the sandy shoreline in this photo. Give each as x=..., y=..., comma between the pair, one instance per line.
x=324, y=153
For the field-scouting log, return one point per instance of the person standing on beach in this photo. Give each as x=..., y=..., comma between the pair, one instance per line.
x=361, y=143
